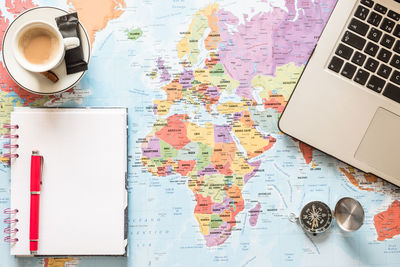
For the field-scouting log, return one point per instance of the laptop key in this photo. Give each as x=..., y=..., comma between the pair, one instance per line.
x=361, y=12
x=376, y=84
x=348, y=70
x=395, y=77
x=384, y=71
x=381, y=9
x=393, y=15
x=387, y=25
x=392, y=92
x=397, y=31
x=374, y=19
x=353, y=40
x=387, y=41
x=358, y=27
x=344, y=51
x=371, y=64
x=371, y=49
x=395, y=62
x=396, y=47
x=374, y=35
x=368, y=3
x=384, y=55
x=361, y=76
x=336, y=64
x=358, y=58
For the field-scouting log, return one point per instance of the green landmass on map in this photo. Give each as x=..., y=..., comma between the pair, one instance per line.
x=134, y=34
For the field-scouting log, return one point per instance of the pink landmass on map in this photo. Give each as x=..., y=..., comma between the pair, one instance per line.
x=165, y=76
x=19, y=6
x=254, y=212
x=250, y=175
x=152, y=150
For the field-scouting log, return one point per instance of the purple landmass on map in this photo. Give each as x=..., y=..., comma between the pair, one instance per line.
x=212, y=92
x=186, y=79
x=153, y=149
x=165, y=76
x=218, y=208
x=254, y=212
x=294, y=41
x=237, y=116
x=222, y=134
x=209, y=170
x=248, y=176
x=218, y=235
x=270, y=39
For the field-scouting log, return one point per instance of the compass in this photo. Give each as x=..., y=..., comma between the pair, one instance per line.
x=316, y=217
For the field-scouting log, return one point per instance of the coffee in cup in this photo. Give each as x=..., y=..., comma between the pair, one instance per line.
x=39, y=46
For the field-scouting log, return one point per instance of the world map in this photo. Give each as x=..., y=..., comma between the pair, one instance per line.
x=211, y=179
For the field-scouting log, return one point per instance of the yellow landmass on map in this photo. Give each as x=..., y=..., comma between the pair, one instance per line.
x=163, y=106
x=283, y=82
x=204, y=222
x=56, y=262
x=232, y=107
x=224, y=82
x=200, y=134
x=211, y=185
x=241, y=167
x=202, y=75
x=251, y=139
x=189, y=45
x=95, y=14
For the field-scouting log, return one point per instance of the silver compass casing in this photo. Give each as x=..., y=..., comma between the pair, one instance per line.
x=349, y=214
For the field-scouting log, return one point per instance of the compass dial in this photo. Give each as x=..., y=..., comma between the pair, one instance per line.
x=316, y=217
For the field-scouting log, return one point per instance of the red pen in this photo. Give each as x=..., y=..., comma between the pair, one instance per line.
x=36, y=176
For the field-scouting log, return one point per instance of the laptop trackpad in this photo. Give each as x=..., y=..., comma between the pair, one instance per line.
x=380, y=147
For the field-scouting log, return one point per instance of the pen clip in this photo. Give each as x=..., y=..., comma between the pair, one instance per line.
x=36, y=153
x=41, y=168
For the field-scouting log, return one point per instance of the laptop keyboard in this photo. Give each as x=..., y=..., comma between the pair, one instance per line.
x=369, y=51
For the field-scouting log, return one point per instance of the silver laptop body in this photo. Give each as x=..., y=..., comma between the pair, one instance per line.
x=348, y=105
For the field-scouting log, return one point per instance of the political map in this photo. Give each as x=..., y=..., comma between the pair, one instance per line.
x=211, y=179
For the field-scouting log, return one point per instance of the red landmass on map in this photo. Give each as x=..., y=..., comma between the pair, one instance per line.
x=387, y=223
x=204, y=204
x=306, y=150
x=8, y=85
x=185, y=166
x=175, y=133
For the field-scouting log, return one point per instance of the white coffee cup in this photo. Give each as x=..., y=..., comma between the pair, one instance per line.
x=58, y=43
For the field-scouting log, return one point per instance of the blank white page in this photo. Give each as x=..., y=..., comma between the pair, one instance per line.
x=83, y=196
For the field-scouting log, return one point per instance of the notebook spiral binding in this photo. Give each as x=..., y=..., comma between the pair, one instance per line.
x=10, y=146
x=11, y=230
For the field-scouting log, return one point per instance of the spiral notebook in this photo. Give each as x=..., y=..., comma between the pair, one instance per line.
x=83, y=197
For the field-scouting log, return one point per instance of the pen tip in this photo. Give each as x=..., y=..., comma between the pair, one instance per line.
x=35, y=152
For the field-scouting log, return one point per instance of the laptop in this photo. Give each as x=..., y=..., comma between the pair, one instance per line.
x=347, y=101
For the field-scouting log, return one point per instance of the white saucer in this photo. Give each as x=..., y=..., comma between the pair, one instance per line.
x=35, y=82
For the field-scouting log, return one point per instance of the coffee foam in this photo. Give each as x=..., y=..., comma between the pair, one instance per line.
x=38, y=45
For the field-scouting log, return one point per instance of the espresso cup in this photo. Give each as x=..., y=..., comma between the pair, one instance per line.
x=39, y=46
